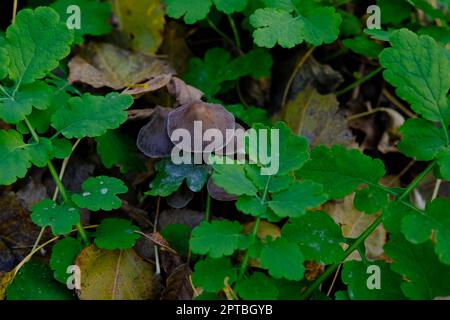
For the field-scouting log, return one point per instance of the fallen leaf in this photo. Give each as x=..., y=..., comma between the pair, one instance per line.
x=105, y=65
x=155, y=83
x=16, y=229
x=183, y=92
x=115, y=275
x=142, y=21
x=318, y=118
x=353, y=223
x=5, y=279
x=178, y=286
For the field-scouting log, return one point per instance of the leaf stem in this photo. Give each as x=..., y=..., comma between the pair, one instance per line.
x=299, y=65
x=235, y=31
x=359, y=82
x=362, y=237
x=244, y=264
x=57, y=180
x=223, y=35
x=208, y=208
x=14, y=11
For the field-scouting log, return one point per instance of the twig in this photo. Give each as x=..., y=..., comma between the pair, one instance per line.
x=294, y=74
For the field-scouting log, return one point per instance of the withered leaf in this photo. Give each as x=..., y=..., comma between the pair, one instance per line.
x=115, y=275
x=105, y=65
x=318, y=118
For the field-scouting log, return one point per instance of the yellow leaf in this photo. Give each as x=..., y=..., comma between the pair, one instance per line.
x=115, y=275
x=142, y=22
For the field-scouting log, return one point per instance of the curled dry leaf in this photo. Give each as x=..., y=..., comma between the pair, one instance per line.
x=353, y=223
x=153, y=84
x=183, y=93
x=318, y=118
x=105, y=65
x=178, y=286
x=205, y=116
x=115, y=275
x=153, y=140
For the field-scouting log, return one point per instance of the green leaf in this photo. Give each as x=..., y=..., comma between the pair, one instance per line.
x=300, y=197
x=178, y=237
x=100, y=193
x=276, y=183
x=94, y=17
x=318, y=236
x=41, y=153
x=190, y=11
x=286, y=149
x=218, y=67
x=62, y=148
x=210, y=274
x=251, y=206
x=37, y=94
x=40, y=119
x=217, y=238
x=283, y=259
x=91, y=116
x=311, y=23
x=341, y=171
x=34, y=281
x=420, y=266
x=356, y=275
x=418, y=227
x=63, y=255
x=257, y=287
x=232, y=178
x=198, y=10
x=370, y=200
x=422, y=140
x=4, y=63
x=170, y=176
x=115, y=234
x=14, y=158
x=420, y=71
x=394, y=11
x=36, y=42
x=61, y=218
x=249, y=115
x=363, y=46
x=115, y=148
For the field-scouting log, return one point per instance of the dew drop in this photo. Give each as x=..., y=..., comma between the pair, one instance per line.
x=104, y=191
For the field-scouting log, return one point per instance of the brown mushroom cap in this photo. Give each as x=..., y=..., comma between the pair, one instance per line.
x=153, y=140
x=212, y=116
x=218, y=193
x=236, y=144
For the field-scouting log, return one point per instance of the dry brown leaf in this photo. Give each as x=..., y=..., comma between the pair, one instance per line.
x=353, y=223
x=175, y=46
x=105, y=65
x=5, y=279
x=155, y=83
x=116, y=275
x=178, y=286
x=318, y=118
x=184, y=93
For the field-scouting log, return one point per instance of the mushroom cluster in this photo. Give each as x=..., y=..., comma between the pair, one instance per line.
x=157, y=140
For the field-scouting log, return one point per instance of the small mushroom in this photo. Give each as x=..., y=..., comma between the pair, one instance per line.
x=153, y=140
x=218, y=193
x=197, y=118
